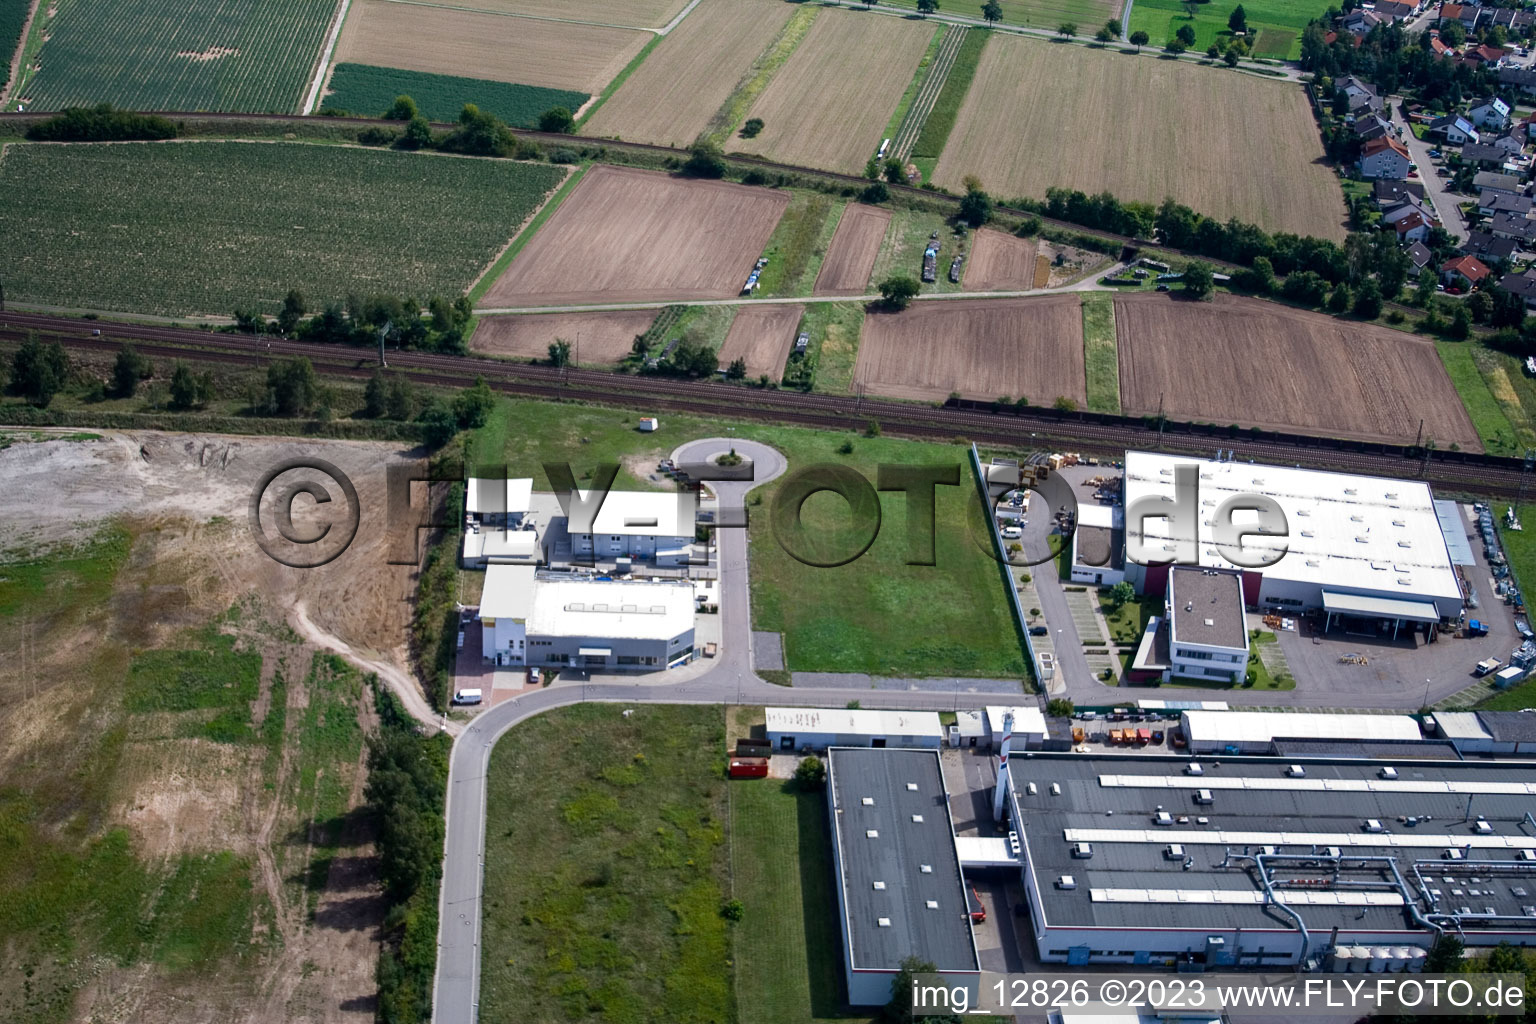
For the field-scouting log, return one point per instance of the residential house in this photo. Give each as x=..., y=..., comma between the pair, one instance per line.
x=1359, y=22
x=1513, y=226
x=1489, y=113
x=1454, y=128
x=1523, y=285
x=1393, y=11
x=1465, y=272
x=1386, y=158
x=1438, y=48
x=1359, y=95
x=1488, y=248
x=1419, y=255
x=1500, y=202
x=1511, y=143
x=1373, y=126
x=1479, y=155
x=1407, y=207
x=1518, y=79
x=1485, y=181
x=1388, y=191
x=1488, y=56
x=1412, y=228
x=1464, y=13
x=1514, y=22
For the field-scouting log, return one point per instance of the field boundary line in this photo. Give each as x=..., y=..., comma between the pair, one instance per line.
x=669, y=26
x=525, y=17
x=594, y=103
x=520, y=238
x=318, y=83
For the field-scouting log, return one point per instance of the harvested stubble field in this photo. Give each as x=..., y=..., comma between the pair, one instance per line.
x=830, y=101
x=1260, y=364
x=626, y=235
x=670, y=98
x=999, y=262
x=477, y=44
x=596, y=338
x=207, y=227
x=763, y=336
x=981, y=348
x=851, y=258
x=1214, y=161
x=629, y=13
x=245, y=55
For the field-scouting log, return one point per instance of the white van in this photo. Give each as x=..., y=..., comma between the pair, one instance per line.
x=1012, y=533
x=468, y=697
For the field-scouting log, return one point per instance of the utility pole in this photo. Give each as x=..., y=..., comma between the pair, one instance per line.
x=383, y=334
x=1419, y=439
x=1160, y=420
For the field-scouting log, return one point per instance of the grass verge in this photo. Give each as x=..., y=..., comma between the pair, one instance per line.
x=935, y=133
x=1101, y=354
x=1489, y=418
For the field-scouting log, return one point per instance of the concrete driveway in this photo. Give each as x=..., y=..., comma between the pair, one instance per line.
x=1444, y=201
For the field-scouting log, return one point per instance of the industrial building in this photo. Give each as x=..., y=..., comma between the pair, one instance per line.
x=1360, y=548
x=820, y=728
x=1256, y=732
x=1260, y=862
x=535, y=618
x=651, y=526
x=496, y=523
x=1489, y=732
x=1098, y=545
x=1208, y=631
x=1028, y=727
x=900, y=892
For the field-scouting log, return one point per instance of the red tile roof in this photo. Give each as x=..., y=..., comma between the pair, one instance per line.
x=1469, y=267
x=1377, y=145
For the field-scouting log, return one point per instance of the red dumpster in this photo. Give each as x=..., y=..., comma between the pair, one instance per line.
x=749, y=768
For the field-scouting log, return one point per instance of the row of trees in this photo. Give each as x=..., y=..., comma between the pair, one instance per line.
x=40, y=370
x=434, y=326
x=478, y=133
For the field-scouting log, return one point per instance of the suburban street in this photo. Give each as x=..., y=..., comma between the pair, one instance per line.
x=1445, y=202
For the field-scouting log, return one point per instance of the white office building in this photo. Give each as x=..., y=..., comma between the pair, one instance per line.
x=651, y=526
x=1209, y=629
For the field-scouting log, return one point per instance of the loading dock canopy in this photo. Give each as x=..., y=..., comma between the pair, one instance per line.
x=1335, y=603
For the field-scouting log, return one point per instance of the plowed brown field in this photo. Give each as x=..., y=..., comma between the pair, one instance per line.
x=638, y=13
x=982, y=348
x=1227, y=145
x=1260, y=364
x=999, y=262
x=626, y=235
x=828, y=104
x=851, y=257
x=596, y=338
x=475, y=44
x=763, y=336
x=688, y=77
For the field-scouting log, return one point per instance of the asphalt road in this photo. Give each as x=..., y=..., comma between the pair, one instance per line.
x=1444, y=201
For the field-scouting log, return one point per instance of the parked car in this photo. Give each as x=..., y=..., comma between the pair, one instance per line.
x=1162, y=287
x=534, y=675
x=1012, y=533
x=1039, y=631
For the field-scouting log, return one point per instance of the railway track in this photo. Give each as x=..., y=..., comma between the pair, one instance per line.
x=1017, y=429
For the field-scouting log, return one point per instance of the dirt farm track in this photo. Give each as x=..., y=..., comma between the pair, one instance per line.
x=982, y=348
x=1260, y=364
x=625, y=235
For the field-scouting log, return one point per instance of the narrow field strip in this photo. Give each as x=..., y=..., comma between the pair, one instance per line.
x=929, y=66
x=734, y=110
x=1101, y=353
x=957, y=83
x=938, y=74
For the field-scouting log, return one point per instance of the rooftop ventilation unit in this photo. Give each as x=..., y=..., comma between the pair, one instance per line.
x=1333, y=851
x=1055, y=789
x=1528, y=854
x=1204, y=796
x=883, y=922
x=1452, y=854
x=1031, y=788
x=1296, y=771
x=926, y=869
x=1173, y=851
x=1194, y=768
x=1389, y=773
x=1066, y=882
x=1482, y=827
x=917, y=819
x=879, y=887
x=1163, y=818
x=1082, y=851
x=867, y=801
x=871, y=833
x=911, y=787
x=1373, y=825
x=933, y=904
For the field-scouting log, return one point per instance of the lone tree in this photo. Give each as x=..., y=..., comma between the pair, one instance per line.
x=1199, y=280
x=976, y=208
x=1114, y=27
x=704, y=161
x=898, y=290
x=1237, y=21
x=737, y=370
x=128, y=370
x=404, y=109
x=559, y=352
x=1176, y=46
x=927, y=7
x=895, y=172
x=1066, y=29
x=899, y=1009
x=294, y=309
x=191, y=390
x=1231, y=57
x=1139, y=39
x=39, y=371
x=753, y=126
x=557, y=119
x=992, y=11
x=292, y=387
x=875, y=192
x=1186, y=35
x=810, y=773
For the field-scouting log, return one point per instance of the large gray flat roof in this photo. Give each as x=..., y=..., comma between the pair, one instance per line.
x=1207, y=607
x=1112, y=801
x=895, y=856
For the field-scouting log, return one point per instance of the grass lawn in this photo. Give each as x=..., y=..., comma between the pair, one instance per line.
x=1490, y=385
x=876, y=614
x=1101, y=354
x=799, y=244
x=935, y=133
x=709, y=324
x=901, y=251
x=834, y=328
x=606, y=869
x=1129, y=621
x=1274, y=26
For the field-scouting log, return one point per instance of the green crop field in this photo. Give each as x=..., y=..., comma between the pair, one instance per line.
x=13, y=15
x=246, y=55
x=205, y=227
x=1274, y=26
x=366, y=90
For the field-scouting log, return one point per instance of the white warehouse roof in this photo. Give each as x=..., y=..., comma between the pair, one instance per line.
x=645, y=513
x=508, y=592
x=1461, y=725
x=1027, y=721
x=488, y=494
x=1262, y=726
x=613, y=609
x=853, y=722
x=1347, y=532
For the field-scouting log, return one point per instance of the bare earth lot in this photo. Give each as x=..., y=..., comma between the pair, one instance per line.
x=763, y=336
x=475, y=44
x=594, y=337
x=828, y=104
x=851, y=257
x=636, y=236
x=1238, y=360
x=982, y=348
x=671, y=97
x=635, y=13
x=1227, y=145
x=999, y=262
